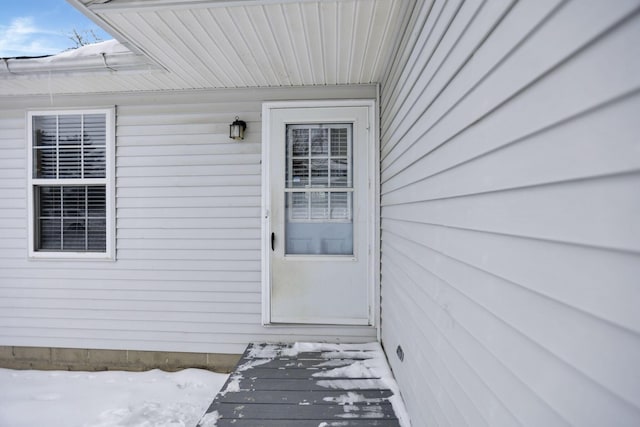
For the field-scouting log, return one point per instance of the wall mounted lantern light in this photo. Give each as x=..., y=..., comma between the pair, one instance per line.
x=236, y=129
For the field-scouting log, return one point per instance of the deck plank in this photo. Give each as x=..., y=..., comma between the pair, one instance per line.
x=289, y=363
x=311, y=374
x=282, y=385
x=322, y=397
x=270, y=411
x=304, y=423
x=310, y=385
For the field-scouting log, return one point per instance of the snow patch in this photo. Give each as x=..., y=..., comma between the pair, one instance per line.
x=374, y=365
x=48, y=396
x=253, y=363
x=347, y=384
x=269, y=351
x=148, y=414
x=352, y=354
x=210, y=419
x=332, y=363
x=349, y=415
x=309, y=347
x=233, y=386
x=330, y=351
x=106, y=399
x=367, y=412
x=108, y=47
x=357, y=369
x=350, y=398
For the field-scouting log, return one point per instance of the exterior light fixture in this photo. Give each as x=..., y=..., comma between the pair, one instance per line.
x=236, y=129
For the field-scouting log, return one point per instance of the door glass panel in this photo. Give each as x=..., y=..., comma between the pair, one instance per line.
x=319, y=205
x=339, y=173
x=299, y=173
x=319, y=142
x=319, y=190
x=340, y=206
x=300, y=142
x=319, y=173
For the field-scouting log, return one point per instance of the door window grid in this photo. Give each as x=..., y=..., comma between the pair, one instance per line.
x=319, y=173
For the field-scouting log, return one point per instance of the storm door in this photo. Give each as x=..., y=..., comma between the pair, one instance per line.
x=319, y=216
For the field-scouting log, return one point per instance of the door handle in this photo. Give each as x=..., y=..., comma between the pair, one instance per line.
x=273, y=239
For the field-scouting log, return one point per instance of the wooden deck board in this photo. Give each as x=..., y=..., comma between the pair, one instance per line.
x=276, y=385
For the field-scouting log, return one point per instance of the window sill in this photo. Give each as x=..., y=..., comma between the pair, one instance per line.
x=71, y=256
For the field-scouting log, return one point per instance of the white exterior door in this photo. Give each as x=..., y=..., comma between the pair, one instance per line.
x=318, y=214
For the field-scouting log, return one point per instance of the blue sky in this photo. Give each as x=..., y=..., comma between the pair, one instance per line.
x=41, y=27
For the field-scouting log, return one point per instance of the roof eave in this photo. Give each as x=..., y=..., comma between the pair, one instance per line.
x=38, y=67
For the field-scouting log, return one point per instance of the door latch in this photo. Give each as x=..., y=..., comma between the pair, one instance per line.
x=273, y=239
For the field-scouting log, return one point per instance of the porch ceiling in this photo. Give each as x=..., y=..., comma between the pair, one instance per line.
x=250, y=43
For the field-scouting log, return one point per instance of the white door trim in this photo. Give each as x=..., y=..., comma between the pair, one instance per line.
x=373, y=257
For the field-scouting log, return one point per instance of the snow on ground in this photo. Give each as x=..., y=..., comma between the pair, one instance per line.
x=106, y=399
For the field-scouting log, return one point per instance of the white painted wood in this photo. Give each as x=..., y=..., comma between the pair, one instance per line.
x=510, y=250
x=187, y=274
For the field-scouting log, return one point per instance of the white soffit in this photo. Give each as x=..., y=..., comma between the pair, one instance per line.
x=250, y=43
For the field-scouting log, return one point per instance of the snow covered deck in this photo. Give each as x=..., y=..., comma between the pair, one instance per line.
x=309, y=385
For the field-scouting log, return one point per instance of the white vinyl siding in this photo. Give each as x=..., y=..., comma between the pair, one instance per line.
x=510, y=174
x=187, y=274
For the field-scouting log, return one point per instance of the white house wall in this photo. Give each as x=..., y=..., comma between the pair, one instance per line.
x=510, y=170
x=187, y=275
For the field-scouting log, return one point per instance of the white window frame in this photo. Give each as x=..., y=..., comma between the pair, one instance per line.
x=328, y=189
x=108, y=182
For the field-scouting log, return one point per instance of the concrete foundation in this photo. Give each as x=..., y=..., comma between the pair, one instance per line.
x=73, y=359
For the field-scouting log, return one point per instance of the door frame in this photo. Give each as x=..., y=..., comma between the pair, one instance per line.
x=373, y=197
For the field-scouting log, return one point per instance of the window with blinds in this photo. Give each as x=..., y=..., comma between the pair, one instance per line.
x=319, y=176
x=69, y=182
x=319, y=189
